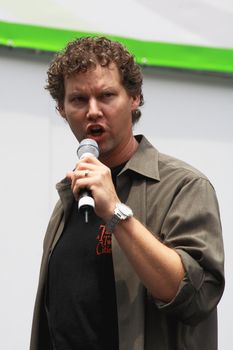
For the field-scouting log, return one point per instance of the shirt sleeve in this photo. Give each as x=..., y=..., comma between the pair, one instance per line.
x=192, y=227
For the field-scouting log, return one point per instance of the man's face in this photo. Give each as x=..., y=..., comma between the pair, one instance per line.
x=97, y=106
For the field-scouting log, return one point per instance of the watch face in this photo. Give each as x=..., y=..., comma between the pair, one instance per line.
x=121, y=212
x=124, y=209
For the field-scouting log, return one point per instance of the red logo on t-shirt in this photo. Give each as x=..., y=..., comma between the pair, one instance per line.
x=104, y=241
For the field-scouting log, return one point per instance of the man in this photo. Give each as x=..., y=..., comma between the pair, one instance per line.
x=145, y=274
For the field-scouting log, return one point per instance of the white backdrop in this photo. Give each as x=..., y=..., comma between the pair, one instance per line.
x=196, y=22
x=186, y=115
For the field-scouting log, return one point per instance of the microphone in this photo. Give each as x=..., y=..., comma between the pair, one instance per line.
x=86, y=202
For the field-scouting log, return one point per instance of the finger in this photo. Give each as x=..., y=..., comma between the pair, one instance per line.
x=88, y=160
x=78, y=180
x=70, y=175
x=80, y=174
x=86, y=173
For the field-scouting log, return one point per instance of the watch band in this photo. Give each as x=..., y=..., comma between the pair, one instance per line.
x=112, y=223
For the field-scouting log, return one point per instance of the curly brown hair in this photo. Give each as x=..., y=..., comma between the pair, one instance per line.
x=86, y=53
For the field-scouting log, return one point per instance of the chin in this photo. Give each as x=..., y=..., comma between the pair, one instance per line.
x=105, y=150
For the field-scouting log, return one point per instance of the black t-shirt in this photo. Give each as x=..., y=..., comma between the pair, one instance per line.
x=81, y=288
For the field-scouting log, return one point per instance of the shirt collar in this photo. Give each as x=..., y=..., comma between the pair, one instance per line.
x=145, y=159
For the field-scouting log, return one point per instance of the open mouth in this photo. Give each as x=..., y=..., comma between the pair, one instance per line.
x=95, y=131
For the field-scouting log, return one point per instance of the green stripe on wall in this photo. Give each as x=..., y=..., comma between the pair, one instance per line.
x=148, y=53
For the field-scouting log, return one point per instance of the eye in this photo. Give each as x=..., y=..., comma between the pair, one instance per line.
x=107, y=95
x=79, y=99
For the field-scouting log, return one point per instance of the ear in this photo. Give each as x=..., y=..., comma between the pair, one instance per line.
x=135, y=102
x=60, y=108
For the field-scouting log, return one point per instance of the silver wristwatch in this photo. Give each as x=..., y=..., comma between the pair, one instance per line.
x=121, y=212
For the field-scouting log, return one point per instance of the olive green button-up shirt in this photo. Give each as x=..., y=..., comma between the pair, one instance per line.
x=178, y=205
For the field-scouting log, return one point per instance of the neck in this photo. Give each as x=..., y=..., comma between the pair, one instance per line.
x=121, y=155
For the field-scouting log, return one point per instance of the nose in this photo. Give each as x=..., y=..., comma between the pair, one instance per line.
x=94, y=112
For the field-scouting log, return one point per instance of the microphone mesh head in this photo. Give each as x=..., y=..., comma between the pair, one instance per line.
x=88, y=146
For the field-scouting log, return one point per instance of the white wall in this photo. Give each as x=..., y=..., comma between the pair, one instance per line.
x=186, y=115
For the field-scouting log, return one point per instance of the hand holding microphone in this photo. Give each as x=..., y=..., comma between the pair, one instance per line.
x=86, y=202
x=94, y=175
